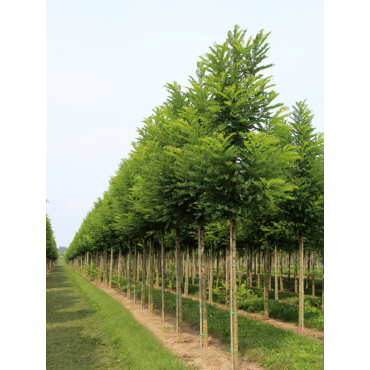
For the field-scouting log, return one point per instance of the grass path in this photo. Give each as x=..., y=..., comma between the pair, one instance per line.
x=86, y=329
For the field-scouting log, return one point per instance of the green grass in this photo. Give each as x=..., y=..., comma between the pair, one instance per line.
x=88, y=329
x=272, y=347
x=75, y=339
x=286, y=309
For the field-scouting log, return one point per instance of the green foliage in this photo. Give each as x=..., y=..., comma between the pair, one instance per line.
x=51, y=246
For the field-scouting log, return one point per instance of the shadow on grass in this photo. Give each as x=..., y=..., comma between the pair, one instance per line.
x=74, y=339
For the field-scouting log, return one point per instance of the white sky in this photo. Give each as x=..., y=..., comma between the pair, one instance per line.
x=107, y=62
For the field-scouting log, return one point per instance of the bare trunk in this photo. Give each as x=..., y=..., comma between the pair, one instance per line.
x=187, y=268
x=313, y=275
x=193, y=274
x=178, y=283
x=227, y=262
x=301, y=284
x=323, y=284
x=266, y=260
x=143, y=275
x=129, y=259
x=295, y=272
x=158, y=265
x=163, y=275
x=119, y=268
x=218, y=268
x=210, y=287
x=259, y=268
x=150, y=274
x=135, y=273
x=111, y=266
x=105, y=266
x=276, y=274
x=281, y=271
x=233, y=297
x=202, y=290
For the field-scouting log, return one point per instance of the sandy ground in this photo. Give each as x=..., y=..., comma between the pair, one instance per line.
x=186, y=345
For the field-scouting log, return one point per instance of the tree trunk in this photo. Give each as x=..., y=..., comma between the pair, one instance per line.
x=218, y=268
x=135, y=273
x=308, y=269
x=270, y=268
x=202, y=290
x=158, y=264
x=266, y=259
x=187, y=268
x=295, y=272
x=259, y=268
x=163, y=275
x=247, y=279
x=276, y=274
x=313, y=275
x=227, y=267
x=301, y=284
x=289, y=266
x=150, y=273
x=250, y=266
x=281, y=271
x=129, y=259
x=193, y=274
x=210, y=286
x=111, y=266
x=105, y=266
x=143, y=275
x=119, y=268
x=233, y=297
x=323, y=284
x=178, y=282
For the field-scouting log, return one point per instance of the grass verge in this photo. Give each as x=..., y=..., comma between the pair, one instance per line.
x=98, y=332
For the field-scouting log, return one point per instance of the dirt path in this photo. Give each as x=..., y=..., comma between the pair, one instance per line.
x=186, y=345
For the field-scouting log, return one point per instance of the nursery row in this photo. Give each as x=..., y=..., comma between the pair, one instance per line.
x=220, y=168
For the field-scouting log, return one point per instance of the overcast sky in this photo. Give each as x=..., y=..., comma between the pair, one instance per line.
x=107, y=62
